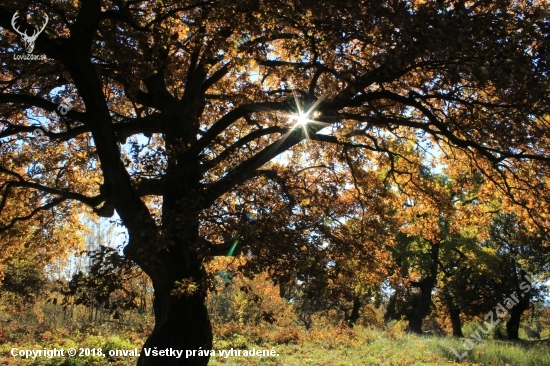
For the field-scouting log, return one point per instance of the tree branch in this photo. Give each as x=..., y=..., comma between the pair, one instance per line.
x=149, y=187
x=90, y=201
x=32, y=100
x=131, y=126
x=247, y=169
x=47, y=206
x=85, y=27
x=216, y=76
x=231, y=117
x=241, y=142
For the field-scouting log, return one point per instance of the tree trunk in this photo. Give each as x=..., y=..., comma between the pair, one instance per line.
x=425, y=285
x=181, y=317
x=180, y=324
x=512, y=325
x=354, y=316
x=454, y=312
x=422, y=307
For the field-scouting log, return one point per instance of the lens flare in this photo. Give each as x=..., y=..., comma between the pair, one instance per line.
x=232, y=250
x=250, y=217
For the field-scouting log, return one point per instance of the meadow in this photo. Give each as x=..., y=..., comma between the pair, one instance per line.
x=325, y=345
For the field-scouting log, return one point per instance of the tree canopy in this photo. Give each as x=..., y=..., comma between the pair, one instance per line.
x=263, y=127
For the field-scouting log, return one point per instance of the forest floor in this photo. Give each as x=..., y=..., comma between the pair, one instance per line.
x=293, y=345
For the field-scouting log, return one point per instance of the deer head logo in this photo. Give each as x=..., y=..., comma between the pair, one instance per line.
x=29, y=40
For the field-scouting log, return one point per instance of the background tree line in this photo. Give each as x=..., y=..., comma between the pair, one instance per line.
x=444, y=284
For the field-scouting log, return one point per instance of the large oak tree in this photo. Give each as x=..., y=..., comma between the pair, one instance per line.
x=215, y=90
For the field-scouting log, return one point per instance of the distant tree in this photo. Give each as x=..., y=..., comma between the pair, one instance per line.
x=179, y=107
x=522, y=252
x=104, y=285
x=443, y=218
x=22, y=285
x=34, y=252
x=492, y=271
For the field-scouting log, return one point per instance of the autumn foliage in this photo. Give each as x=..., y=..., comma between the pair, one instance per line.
x=318, y=140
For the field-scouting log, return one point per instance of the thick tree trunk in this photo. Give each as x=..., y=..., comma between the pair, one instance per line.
x=422, y=307
x=174, y=260
x=512, y=325
x=181, y=317
x=425, y=285
x=455, y=320
x=454, y=312
x=180, y=324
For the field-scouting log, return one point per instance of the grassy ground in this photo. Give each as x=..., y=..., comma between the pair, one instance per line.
x=335, y=346
x=364, y=346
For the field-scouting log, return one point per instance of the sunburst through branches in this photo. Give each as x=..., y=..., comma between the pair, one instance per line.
x=302, y=118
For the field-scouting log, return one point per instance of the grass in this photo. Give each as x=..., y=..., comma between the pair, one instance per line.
x=365, y=346
x=295, y=346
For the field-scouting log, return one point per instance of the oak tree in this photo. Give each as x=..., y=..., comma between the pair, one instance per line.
x=178, y=108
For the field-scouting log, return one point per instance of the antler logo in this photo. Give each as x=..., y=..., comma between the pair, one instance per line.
x=29, y=40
